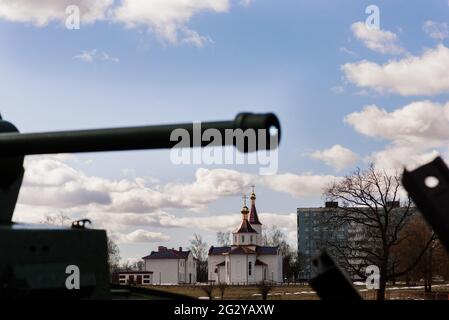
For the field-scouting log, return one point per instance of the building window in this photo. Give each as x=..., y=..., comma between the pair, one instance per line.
x=251, y=239
x=250, y=268
x=235, y=239
x=122, y=276
x=146, y=276
x=243, y=239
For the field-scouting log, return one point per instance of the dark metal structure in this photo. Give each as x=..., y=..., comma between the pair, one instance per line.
x=34, y=258
x=428, y=186
x=330, y=282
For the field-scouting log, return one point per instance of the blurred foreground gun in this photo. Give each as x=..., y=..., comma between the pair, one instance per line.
x=330, y=282
x=428, y=186
x=34, y=258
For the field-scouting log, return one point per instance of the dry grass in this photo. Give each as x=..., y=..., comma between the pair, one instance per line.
x=292, y=292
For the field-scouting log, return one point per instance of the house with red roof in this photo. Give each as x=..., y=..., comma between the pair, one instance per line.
x=246, y=261
x=171, y=266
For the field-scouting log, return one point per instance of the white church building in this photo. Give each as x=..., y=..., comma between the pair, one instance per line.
x=246, y=261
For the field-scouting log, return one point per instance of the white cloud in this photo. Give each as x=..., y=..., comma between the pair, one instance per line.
x=106, y=57
x=307, y=185
x=127, y=208
x=418, y=123
x=90, y=56
x=86, y=56
x=348, y=51
x=337, y=156
x=139, y=236
x=168, y=19
x=436, y=30
x=396, y=157
x=51, y=182
x=378, y=40
x=42, y=12
x=194, y=38
x=416, y=132
x=427, y=74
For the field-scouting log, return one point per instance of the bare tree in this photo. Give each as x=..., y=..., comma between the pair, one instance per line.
x=208, y=289
x=415, y=235
x=264, y=287
x=57, y=219
x=370, y=209
x=224, y=238
x=199, y=252
x=113, y=257
x=222, y=288
x=276, y=238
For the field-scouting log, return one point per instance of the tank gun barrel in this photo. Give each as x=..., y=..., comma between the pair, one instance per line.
x=128, y=138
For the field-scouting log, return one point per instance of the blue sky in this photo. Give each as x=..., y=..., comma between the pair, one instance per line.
x=255, y=56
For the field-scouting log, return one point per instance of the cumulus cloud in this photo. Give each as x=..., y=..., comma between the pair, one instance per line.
x=306, y=185
x=336, y=156
x=378, y=40
x=167, y=19
x=49, y=181
x=436, y=30
x=420, y=122
x=127, y=208
x=42, y=12
x=117, y=224
x=416, y=132
x=427, y=74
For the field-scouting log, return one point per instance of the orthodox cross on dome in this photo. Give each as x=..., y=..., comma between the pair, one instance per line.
x=253, y=195
x=244, y=197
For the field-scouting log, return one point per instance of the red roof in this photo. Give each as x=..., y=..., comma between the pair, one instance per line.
x=164, y=253
x=241, y=250
x=245, y=227
x=253, y=218
x=218, y=250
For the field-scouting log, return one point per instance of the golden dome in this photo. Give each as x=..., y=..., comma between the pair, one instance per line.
x=245, y=210
x=252, y=196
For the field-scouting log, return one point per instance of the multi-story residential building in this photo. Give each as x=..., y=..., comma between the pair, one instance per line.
x=316, y=233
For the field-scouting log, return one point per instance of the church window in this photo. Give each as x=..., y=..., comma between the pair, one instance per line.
x=243, y=239
x=250, y=268
x=251, y=239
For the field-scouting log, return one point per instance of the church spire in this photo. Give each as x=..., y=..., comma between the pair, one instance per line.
x=253, y=217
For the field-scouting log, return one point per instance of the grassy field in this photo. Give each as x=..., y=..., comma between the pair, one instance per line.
x=297, y=292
